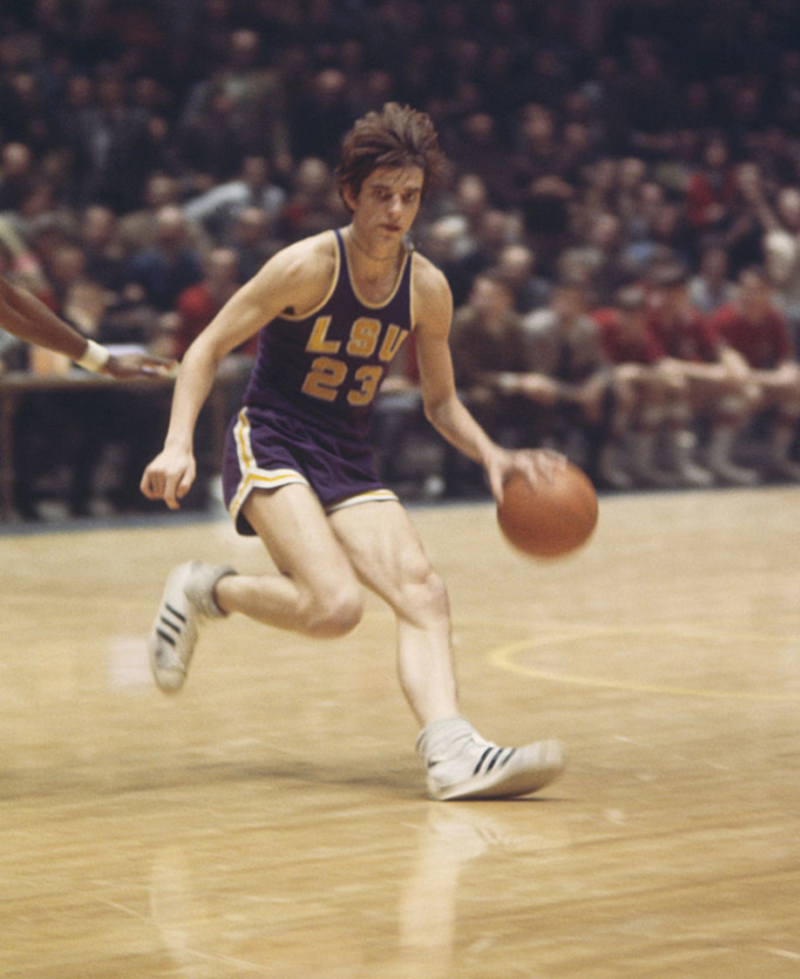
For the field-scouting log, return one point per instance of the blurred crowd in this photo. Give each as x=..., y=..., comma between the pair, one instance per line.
x=620, y=223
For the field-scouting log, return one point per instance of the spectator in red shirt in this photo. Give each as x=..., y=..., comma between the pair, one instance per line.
x=708, y=383
x=641, y=392
x=755, y=328
x=200, y=303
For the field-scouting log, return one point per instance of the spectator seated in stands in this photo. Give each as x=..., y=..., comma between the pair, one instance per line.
x=516, y=263
x=137, y=230
x=600, y=156
x=159, y=274
x=219, y=207
x=600, y=257
x=782, y=256
x=444, y=242
x=489, y=347
x=641, y=393
x=199, y=304
x=758, y=332
x=253, y=240
x=313, y=204
x=710, y=287
x=568, y=374
x=710, y=385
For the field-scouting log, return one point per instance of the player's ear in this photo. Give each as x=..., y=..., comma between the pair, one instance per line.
x=348, y=197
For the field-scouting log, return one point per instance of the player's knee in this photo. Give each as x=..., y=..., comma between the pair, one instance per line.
x=425, y=596
x=436, y=592
x=334, y=614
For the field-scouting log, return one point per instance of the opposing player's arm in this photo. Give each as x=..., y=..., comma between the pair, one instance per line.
x=433, y=305
x=22, y=314
x=27, y=317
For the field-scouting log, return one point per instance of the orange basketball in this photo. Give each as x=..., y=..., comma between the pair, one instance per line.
x=551, y=520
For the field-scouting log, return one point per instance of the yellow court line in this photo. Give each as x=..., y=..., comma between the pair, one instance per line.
x=504, y=658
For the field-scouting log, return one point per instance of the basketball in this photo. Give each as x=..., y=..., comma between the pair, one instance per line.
x=552, y=520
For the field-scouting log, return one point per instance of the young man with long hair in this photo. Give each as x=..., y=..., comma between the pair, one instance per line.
x=331, y=312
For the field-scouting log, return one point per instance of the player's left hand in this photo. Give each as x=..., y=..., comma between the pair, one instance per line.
x=139, y=365
x=169, y=476
x=534, y=464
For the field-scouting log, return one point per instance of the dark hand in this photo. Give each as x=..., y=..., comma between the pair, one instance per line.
x=139, y=365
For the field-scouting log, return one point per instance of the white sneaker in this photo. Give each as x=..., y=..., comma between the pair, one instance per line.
x=462, y=765
x=692, y=475
x=188, y=597
x=731, y=474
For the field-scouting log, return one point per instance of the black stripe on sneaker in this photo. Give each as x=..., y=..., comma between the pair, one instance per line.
x=507, y=758
x=175, y=626
x=482, y=759
x=165, y=636
x=175, y=612
x=495, y=759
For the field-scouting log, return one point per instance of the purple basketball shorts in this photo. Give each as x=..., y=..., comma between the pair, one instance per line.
x=266, y=449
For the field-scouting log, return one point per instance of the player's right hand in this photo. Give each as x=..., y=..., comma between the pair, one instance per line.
x=169, y=477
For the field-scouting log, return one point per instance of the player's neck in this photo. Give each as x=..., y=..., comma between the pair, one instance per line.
x=378, y=255
x=373, y=273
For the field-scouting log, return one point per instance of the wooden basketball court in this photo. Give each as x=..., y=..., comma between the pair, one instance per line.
x=271, y=819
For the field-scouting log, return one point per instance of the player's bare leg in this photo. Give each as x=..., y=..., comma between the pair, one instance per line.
x=388, y=557
x=316, y=591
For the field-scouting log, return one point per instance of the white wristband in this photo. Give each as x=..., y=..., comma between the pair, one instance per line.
x=95, y=358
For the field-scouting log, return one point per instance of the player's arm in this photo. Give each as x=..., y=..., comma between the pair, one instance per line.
x=443, y=409
x=296, y=278
x=22, y=314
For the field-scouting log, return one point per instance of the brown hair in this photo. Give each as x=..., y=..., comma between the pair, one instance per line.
x=397, y=136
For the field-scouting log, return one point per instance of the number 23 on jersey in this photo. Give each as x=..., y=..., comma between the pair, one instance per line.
x=330, y=372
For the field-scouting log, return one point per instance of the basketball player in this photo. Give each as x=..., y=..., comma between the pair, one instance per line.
x=333, y=310
x=27, y=318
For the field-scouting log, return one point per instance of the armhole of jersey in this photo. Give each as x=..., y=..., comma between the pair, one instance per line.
x=412, y=306
x=338, y=245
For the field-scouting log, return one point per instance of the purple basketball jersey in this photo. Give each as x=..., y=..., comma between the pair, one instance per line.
x=330, y=363
x=311, y=394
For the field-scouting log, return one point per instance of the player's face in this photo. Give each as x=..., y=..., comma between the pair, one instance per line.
x=387, y=203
